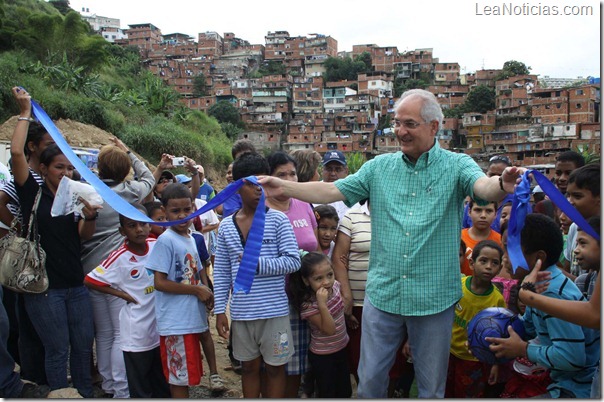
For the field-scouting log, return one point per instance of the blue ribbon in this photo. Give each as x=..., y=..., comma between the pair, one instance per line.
x=251, y=252
x=520, y=205
x=518, y=214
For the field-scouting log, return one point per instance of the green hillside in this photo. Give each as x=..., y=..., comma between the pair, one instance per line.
x=77, y=75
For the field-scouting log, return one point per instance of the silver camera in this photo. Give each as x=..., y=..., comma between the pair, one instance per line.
x=178, y=161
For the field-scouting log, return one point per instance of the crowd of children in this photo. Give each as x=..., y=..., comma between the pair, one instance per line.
x=297, y=330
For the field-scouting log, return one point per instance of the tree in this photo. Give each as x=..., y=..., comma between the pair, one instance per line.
x=225, y=112
x=401, y=85
x=61, y=5
x=199, y=86
x=512, y=68
x=480, y=99
x=337, y=69
x=231, y=130
x=364, y=57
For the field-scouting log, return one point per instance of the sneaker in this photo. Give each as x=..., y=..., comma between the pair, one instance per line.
x=31, y=390
x=216, y=383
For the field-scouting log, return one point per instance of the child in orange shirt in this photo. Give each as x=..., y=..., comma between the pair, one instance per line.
x=482, y=217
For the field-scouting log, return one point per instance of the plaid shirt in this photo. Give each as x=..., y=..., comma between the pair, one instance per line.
x=416, y=214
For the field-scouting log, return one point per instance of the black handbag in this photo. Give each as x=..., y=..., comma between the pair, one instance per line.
x=22, y=259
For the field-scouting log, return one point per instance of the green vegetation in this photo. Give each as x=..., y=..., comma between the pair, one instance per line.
x=355, y=160
x=589, y=156
x=200, y=87
x=512, y=68
x=77, y=75
x=337, y=69
x=401, y=85
x=480, y=99
x=270, y=68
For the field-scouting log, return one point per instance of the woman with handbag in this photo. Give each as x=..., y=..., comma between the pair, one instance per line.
x=62, y=315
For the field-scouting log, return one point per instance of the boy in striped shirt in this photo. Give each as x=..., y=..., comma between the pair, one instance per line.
x=260, y=319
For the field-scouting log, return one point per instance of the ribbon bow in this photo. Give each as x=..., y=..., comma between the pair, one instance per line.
x=520, y=206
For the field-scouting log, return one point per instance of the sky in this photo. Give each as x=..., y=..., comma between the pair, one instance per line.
x=467, y=32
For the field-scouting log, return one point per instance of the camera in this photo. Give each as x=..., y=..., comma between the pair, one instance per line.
x=178, y=161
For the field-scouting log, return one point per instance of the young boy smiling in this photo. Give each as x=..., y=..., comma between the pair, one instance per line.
x=583, y=193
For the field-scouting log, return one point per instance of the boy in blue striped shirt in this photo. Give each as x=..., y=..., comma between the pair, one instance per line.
x=569, y=351
x=260, y=319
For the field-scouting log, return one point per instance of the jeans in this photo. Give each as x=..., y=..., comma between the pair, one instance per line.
x=429, y=340
x=10, y=381
x=63, y=319
x=31, y=349
x=110, y=359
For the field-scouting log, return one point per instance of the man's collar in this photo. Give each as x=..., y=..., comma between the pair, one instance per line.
x=427, y=157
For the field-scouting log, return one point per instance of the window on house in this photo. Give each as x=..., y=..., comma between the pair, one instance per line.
x=578, y=106
x=579, y=92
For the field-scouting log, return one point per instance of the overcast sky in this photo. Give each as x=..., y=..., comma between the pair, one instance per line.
x=562, y=46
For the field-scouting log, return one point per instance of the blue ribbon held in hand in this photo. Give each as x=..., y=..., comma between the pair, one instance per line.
x=518, y=214
x=251, y=252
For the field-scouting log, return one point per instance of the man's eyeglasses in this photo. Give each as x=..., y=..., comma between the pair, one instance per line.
x=408, y=124
x=333, y=169
x=162, y=181
x=501, y=158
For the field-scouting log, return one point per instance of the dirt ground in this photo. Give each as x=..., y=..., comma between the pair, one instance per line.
x=231, y=379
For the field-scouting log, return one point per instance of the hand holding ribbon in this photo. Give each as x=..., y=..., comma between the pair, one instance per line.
x=519, y=212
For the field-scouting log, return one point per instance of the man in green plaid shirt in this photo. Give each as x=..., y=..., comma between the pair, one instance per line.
x=413, y=281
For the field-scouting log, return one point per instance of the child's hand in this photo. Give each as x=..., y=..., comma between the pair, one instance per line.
x=222, y=325
x=322, y=294
x=204, y=294
x=128, y=298
x=537, y=277
x=510, y=347
x=210, y=303
x=351, y=321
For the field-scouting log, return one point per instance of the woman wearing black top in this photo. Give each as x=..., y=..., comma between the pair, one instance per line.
x=62, y=315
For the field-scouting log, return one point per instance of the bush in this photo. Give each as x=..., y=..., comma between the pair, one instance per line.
x=164, y=136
